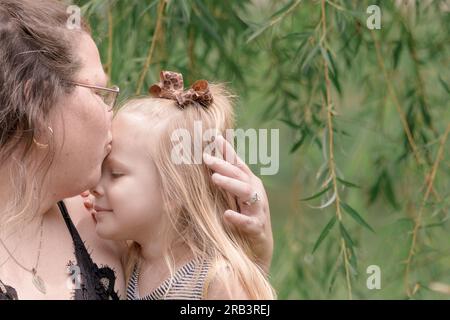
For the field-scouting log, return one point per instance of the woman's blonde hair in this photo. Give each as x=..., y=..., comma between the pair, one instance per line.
x=194, y=205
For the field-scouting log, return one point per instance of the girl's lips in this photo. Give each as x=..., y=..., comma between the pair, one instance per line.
x=98, y=212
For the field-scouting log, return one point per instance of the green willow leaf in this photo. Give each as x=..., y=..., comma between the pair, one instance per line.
x=444, y=85
x=326, y=56
x=324, y=233
x=389, y=190
x=317, y=194
x=310, y=57
x=344, y=233
x=375, y=190
x=396, y=54
x=275, y=18
x=283, y=9
x=299, y=143
x=291, y=124
x=356, y=216
x=353, y=262
x=333, y=279
x=348, y=184
x=185, y=9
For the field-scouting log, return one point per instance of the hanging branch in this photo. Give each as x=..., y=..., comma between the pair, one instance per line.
x=332, y=164
x=420, y=161
x=419, y=78
x=148, y=60
x=394, y=97
x=274, y=21
x=418, y=220
x=110, y=42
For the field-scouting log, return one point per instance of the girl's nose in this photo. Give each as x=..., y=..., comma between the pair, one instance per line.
x=97, y=191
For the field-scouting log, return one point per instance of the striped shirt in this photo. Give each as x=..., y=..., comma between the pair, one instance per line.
x=188, y=283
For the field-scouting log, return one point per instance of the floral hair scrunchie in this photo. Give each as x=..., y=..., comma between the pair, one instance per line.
x=171, y=87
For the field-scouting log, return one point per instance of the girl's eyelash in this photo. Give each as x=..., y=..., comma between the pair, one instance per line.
x=114, y=174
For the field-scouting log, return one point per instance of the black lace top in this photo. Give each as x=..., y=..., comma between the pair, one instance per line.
x=97, y=283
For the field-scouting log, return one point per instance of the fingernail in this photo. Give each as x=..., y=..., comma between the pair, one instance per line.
x=216, y=177
x=208, y=159
x=88, y=204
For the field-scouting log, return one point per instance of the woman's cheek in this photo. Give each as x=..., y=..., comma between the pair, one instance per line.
x=100, y=127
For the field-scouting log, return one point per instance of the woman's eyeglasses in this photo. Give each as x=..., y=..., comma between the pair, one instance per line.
x=108, y=95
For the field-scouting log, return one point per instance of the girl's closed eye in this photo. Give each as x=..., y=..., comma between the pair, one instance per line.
x=114, y=168
x=116, y=175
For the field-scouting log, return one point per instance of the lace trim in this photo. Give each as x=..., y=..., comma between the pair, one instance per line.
x=7, y=292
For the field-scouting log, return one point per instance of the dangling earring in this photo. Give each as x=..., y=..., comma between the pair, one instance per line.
x=41, y=145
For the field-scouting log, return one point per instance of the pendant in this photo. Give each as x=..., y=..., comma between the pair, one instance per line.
x=39, y=283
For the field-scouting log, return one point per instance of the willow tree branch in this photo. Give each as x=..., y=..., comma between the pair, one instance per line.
x=148, y=60
x=110, y=42
x=418, y=220
x=332, y=163
x=393, y=95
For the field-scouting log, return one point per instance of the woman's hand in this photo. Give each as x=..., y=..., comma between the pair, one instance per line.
x=234, y=176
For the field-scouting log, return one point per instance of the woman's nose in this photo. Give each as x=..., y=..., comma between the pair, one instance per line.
x=110, y=117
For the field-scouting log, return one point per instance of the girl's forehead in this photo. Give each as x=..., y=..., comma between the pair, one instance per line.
x=131, y=134
x=126, y=123
x=136, y=126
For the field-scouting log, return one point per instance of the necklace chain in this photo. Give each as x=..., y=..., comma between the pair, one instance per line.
x=33, y=270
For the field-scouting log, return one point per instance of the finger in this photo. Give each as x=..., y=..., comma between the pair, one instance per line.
x=230, y=154
x=88, y=204
x=85, y=194
x=246, y=224
x=224, y=168
x=238, y=188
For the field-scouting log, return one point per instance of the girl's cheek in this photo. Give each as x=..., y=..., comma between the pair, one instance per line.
x=117, y=194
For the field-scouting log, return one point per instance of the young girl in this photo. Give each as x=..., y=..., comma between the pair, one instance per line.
x=162, y=201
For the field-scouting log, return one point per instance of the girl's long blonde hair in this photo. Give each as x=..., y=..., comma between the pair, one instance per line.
x=194, y=205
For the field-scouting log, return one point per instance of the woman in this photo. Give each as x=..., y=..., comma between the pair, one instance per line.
x=55, y=131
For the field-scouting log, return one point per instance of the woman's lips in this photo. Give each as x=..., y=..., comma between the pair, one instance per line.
x=101, y=209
